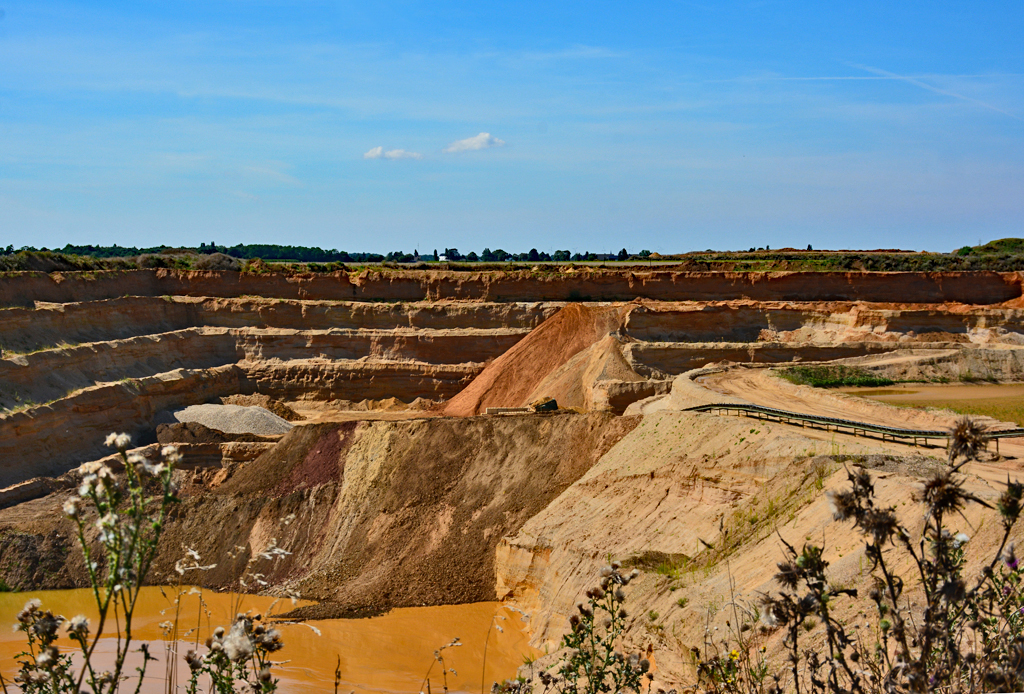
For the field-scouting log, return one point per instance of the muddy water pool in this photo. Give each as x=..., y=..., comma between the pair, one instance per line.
x=390, y=653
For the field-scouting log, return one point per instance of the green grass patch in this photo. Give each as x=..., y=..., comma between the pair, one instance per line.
x=833, y=376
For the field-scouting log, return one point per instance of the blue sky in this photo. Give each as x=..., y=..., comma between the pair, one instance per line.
x=667, y=126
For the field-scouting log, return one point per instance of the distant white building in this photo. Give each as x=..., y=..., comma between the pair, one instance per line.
x=442, y=258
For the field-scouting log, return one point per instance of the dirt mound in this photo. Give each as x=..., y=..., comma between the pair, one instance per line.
x=510, y=379
x=389, y=514
x=264, y=401
x=572, y=384
x=234, y=419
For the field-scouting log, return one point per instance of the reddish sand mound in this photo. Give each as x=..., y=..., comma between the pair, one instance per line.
x=572, y=383
x=510, y=379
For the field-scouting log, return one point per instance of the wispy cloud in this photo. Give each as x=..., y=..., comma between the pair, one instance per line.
x=271, y=171
x=885, y=74
x=481, y=141
x=379, y=153
x=577, y=52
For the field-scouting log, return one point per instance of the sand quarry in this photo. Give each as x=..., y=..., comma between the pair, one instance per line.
x=357, y=403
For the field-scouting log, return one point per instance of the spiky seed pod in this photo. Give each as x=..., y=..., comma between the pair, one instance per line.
x=1010, y=502
x=843, y=505
x=879, y=523
x=966, y=440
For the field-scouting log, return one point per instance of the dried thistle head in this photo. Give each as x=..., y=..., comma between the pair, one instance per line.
x=881, y=524
x=944, y=493
x=843, y=504
x=788, y=575
x=1010, y=502
x=966, y=440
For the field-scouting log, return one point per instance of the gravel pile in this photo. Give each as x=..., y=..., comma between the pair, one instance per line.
x=234, y=419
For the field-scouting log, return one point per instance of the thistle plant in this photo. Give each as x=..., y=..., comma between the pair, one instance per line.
x=968, y=636
x=241, y=655
x=119, y=519
x=593, y=662
x=125, y=514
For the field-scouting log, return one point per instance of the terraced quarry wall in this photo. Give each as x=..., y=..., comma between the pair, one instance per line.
x=73, y=371
x=404, y=492
x=584, y=284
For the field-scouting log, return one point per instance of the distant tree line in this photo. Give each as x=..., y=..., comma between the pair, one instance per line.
x=313, y=254
x=302, y=254
x=1001, y=255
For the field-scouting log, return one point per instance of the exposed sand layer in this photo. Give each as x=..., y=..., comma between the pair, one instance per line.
x=582, y=284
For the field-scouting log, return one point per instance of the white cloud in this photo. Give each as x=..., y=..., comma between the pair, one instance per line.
x=379, y=153
x=402, y=154
x=481, y=141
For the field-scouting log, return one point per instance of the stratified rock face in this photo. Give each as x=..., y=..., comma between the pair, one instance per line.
x=499, y=286
x=73, y=372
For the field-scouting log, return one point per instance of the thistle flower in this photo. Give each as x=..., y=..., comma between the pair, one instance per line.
x=118, y=441
x=944, y=494
x=1010, y=502
x=79, y=624
x=237, y=644
x=880, y=523
x=967, y=439
x=194, y=660
x=1010, y=556
x=47, y=658
x=270, y=640
x=788, y=575
x=842, y=504
x=71, y=508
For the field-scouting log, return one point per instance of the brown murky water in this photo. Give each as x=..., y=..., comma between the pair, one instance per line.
x=390, y=653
